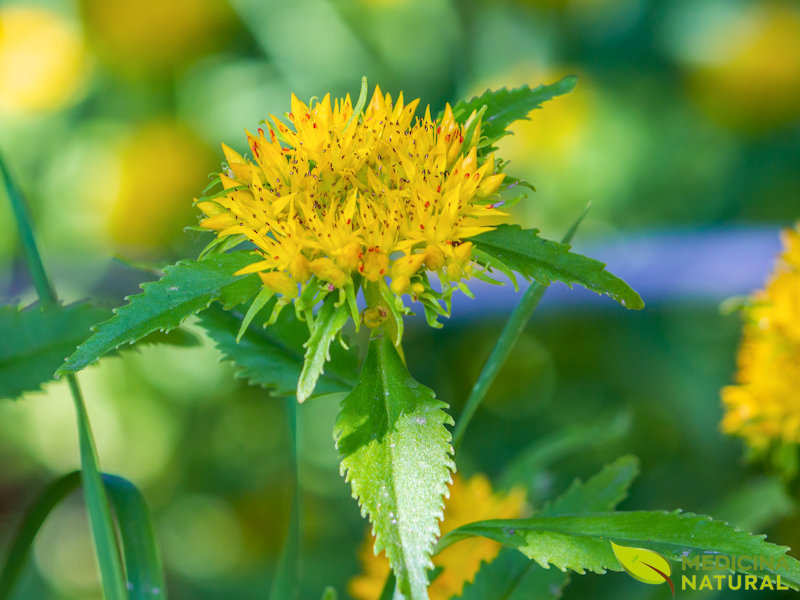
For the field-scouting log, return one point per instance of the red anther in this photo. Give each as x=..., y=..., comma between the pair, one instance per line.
x=421, y=226
x=308, y=116
x=260, y=132
x=348, y=221
x=361, y=268
x=461, y=139
x=439, y=188
x=466, y=175
x=315, y=125
x=427, y=204
x=439, y=129
x=382, y=271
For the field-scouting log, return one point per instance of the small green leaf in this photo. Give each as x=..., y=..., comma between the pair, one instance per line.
x=261, y=299
x=545, y=261
x=272, y=357
x=330, y=594
x=327, y=324
x=187, y=287
x=504, y=106
x=582, y=542
x=396, y=453
x=601, y=493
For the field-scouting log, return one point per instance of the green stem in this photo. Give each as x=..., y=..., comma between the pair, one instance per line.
x=40, y=280
x=505, y=344
x=97, y=505
x=286, y=584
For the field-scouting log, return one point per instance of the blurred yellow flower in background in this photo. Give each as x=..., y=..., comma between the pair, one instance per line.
x=764, y=405
x=470, y=500
x=554, y=133
x=42, y=60
x=156, y=34
x=159, y=165
x=750, y=79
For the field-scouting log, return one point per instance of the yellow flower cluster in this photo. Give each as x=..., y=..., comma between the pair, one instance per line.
x=470, y=500
x=379, y=194
x=764, y=405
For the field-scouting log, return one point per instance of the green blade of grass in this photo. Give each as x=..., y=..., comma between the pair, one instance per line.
x=142, y=560
x=145, y=574
x=505, y=344
x=105, y=543
x=35, y=516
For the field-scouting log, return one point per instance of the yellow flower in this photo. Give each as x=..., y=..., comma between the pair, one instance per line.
x=42, y=60
x=764, y=405
x=381, y=195
x=471, y=500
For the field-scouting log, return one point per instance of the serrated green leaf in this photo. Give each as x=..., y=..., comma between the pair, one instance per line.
x=35, y=340
x=600, y=493
x=397, y=455
x=505, y=106
x=511, y=576
x=272, y=357
x=327, y=324
x=546, y=261
x=186, y=288
x=582, y=543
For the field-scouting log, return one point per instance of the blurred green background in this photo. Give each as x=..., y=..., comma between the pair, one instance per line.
x=684, y=125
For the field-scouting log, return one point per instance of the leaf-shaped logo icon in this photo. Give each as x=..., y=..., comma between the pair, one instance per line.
x=643, y=565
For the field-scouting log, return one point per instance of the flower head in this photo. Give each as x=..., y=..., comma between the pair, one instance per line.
x=338, y=196
x=764, y=405
x=470, y=500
